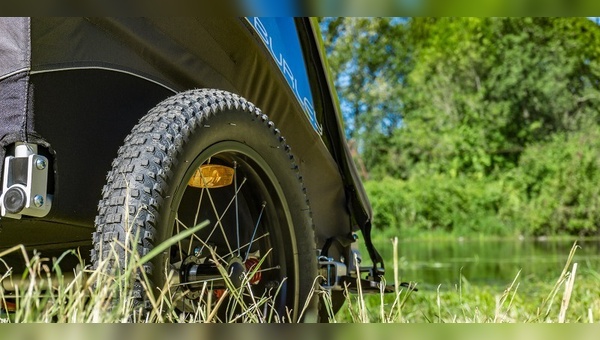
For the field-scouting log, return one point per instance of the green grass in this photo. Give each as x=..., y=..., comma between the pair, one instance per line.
x=573, y=297
x=521, y=302
x=95, y=296
x=41, y=293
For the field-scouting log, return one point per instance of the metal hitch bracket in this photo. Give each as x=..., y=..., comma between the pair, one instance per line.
x=25, y=183
x=337, y=275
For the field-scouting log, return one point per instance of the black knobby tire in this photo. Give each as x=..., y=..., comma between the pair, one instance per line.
x=147, y=194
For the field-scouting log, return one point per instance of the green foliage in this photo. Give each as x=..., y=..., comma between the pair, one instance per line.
x=559, y=182
x=482, y=90
x=369, y=82
x=460, y=205
x=487, y=124
x=553, y=190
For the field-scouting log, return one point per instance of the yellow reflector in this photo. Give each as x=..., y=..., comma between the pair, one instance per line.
x=212, y=176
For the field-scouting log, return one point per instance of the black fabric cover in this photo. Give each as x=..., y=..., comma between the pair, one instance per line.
x=86, y=81
x=16, y=93
x=14, y=46
x=14, y=80
x=13, y=105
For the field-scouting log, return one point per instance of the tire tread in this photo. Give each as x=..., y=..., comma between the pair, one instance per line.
x=141, y=172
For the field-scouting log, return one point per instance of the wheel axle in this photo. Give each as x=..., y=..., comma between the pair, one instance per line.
x=194, y=273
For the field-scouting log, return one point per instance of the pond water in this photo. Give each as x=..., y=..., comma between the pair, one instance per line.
x=495, y=262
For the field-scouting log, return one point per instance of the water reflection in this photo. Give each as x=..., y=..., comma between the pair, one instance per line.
x=489, y=262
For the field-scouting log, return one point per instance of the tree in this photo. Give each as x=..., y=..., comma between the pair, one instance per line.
x=461, y=95
x=370, y=60
x=487, y=125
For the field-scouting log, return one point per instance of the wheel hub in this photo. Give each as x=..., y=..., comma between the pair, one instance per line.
x=195, y=272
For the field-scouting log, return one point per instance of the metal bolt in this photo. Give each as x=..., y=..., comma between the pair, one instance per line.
x=40, y=163
x=38, y=201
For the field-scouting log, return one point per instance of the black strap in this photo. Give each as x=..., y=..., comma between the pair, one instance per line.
x=373, y=253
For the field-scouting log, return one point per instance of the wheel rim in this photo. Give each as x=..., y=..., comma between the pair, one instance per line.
x=250, y=225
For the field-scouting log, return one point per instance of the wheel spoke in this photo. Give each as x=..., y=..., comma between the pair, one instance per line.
x=262, y=209
x=212, y=203
x=196, y=282
x=247, y=244
x=241, y=251
x=204, y=244
x=199, y=204
x=237, y=210
x=219, y=225
x=268, y=269
x=201, y=195
x=219, y=218
x=177, y=223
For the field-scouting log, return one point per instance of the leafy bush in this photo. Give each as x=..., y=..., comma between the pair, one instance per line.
x=560, y=184
x=440, y=203
x=553, y=190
